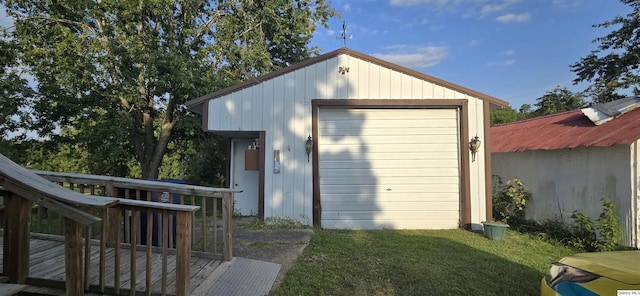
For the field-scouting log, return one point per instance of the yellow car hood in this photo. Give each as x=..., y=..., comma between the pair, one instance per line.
x=622, y=266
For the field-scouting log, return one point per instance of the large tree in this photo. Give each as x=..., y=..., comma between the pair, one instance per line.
x=115, y=74
x=557, y=100
x=14, y=89
x=560, y=99
x=615, y=64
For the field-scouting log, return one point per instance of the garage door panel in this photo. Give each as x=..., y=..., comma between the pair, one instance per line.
x=408, y=140
x=377, y=189
x=394, y=163
x=386, y=130
x=346, y=198
x=368, y=173
x=360, y=129
x=450, y=215
x=391, y=180
x=345, y=223
x=389, y=168
x=399, y=205
x=338, y=114
x=385, y=146
x=365, y=157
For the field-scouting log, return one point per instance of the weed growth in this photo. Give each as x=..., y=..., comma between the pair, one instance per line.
x=509, y=200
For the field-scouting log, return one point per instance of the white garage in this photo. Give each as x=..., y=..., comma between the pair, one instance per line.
x=347, y=140
x=389, y=168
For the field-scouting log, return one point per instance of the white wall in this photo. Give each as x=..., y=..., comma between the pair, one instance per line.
x=562, y=181
x=282, y=107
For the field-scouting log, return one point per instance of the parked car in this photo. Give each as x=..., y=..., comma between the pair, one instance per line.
x=586, y=274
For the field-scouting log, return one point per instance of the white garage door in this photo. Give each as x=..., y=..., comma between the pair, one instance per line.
x=389, y=168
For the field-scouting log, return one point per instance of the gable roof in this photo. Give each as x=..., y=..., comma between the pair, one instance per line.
x=569, y=129
x=196, y=104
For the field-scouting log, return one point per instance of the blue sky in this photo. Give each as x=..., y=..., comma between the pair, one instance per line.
x=515, y=50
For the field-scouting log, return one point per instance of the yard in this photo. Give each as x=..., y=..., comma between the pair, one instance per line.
x=419, y=262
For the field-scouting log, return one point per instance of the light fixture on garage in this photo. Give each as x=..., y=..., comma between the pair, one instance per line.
x=343, y=70
x=474, y=146
x=308, y=146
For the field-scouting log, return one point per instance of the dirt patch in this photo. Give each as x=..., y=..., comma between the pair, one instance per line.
x=281, y=246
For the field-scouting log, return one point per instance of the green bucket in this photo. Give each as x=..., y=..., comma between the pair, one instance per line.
x=495, y=231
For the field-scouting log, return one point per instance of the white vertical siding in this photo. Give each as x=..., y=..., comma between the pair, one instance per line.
x=281, y=107
x=573, y=179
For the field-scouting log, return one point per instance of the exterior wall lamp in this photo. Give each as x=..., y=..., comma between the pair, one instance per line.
x=308, y=147
x=474, y=146
x=343, y=70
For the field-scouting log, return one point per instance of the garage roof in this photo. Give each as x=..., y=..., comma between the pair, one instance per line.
x=196, y=104
x=569, y=129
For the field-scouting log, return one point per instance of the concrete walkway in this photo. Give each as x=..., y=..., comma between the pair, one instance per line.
x=244, y=277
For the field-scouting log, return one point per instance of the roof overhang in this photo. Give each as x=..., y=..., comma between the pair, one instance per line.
x=196, y=105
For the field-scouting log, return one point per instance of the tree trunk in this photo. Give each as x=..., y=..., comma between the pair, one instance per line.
x=155, y=148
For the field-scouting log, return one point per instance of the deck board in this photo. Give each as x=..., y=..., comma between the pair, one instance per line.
x=47, y=262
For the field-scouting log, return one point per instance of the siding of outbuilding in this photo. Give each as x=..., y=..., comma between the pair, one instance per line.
x=570, y=163
x=565, y=180
x=281, y=107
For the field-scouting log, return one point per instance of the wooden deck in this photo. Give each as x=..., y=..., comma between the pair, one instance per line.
x=46, y=261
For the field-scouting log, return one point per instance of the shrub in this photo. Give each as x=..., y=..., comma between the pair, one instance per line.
x=509, y=200
x=602, y=235
x=608, y=225
x=583, y=232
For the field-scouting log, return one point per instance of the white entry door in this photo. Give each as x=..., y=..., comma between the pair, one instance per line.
x=246, y=202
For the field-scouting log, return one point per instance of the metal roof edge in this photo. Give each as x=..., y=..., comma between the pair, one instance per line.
x=253, y=81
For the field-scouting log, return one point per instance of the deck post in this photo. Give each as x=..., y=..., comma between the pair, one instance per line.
x=73, y=257
x=183, y=253
x=227, y=226
x=17, y=219
x=113, y=217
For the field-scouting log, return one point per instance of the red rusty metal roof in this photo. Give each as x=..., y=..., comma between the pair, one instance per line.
x=569, y=129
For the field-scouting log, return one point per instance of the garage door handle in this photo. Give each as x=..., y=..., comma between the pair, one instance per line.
x=388, y=189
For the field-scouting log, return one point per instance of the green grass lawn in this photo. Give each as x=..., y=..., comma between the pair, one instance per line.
x=415, y=262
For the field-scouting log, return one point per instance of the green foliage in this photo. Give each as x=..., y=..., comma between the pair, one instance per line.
x=419, y=262
x=558, y=100
x=614, y=65
x=584, y=234
x=509, y=200
x=14, y=91
x=503, y=115
x=608, y=225
x=117, y=73
x=602, y=235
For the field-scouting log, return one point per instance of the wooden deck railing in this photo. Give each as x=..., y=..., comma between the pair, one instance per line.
x=137, y=221
x=155, y=216
x=212, y=223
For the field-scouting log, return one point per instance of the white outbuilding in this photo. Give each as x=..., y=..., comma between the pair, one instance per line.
x=572, y=160
x=347, y=140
